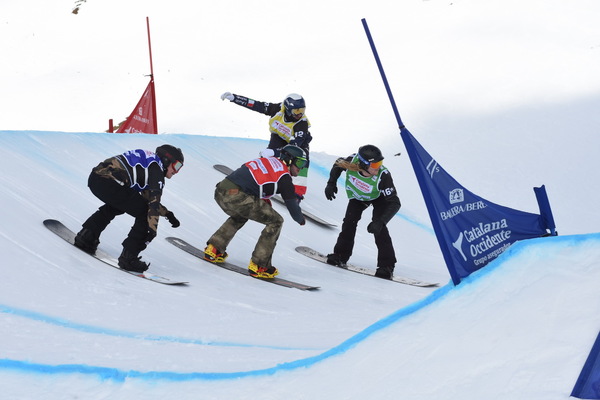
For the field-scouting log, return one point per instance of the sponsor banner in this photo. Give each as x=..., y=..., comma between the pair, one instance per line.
x=471, y=230
x=143, y=117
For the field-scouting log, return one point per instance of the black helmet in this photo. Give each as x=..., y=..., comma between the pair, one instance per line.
x=169, y=154
x=369, y=154
x=293, y=155
x=294, y=101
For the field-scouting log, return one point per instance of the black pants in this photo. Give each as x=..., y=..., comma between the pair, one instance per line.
x=386, y=256
x=119, y=200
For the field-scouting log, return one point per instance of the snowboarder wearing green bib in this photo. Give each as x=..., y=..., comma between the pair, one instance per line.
x=368, y=182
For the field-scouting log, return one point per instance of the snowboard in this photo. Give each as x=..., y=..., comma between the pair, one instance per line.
x=185, y=246
x=315, y=255
x=65, y=233
x=226, y=170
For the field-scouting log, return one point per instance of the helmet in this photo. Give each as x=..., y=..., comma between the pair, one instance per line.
x=169, y=154
x=294, y=106
x=369, y=156
x=293, y=155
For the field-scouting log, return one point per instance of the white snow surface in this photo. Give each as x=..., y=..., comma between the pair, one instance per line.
x=74, y=328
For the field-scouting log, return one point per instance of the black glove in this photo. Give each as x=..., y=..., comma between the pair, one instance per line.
x=330, y=191
x=151, y=235
x=299, y=197
x=375, y=227
x=174, y=221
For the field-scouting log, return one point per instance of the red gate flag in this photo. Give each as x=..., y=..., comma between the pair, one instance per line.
x=143, y=117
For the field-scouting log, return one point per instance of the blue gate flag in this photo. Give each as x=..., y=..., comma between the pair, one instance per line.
x=588, y=383
x=471, y=230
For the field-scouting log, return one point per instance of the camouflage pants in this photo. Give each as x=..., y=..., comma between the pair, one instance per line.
x=242, y=207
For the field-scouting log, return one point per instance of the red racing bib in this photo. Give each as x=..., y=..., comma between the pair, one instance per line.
x=266, y=173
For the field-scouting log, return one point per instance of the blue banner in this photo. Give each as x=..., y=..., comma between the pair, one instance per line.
x=470, y=230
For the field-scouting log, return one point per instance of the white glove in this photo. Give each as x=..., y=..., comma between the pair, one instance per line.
x=228, y=96
x=267, y=153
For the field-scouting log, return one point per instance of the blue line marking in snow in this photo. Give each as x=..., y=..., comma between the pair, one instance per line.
x=119, y=375
x=124, y=334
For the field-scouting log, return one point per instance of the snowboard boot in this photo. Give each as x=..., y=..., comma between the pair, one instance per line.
x=87, y=241
x=335, y=259
x=132, y=262
x=384, y=272
x=213, y=255
x=262, y=272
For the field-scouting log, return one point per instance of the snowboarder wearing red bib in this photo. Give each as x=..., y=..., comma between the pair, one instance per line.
x=368, y=182
x=288, y=125
x=242, y=196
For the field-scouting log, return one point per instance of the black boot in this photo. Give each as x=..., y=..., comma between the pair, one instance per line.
x=384, y=272
x=87, y=241
x=132, y=262
x=335, y=259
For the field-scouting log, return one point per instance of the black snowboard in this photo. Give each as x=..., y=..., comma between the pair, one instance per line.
x=65, y=233
x=185, y=246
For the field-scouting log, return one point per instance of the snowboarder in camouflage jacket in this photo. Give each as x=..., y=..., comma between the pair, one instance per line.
x=244, y=195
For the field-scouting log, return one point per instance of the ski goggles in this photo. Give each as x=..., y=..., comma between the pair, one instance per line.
x=374, y=165
x=298, y=112
x=177, y=165
x=300, y=162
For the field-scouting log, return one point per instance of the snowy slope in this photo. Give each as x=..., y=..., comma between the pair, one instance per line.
x=74, y=328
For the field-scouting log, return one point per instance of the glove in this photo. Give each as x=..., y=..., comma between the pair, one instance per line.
x=375, y=227
x=151, y=235
x=299, y=197
x=267, y=153
x=228, y=96
x=174, y=221
x=330, y=191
